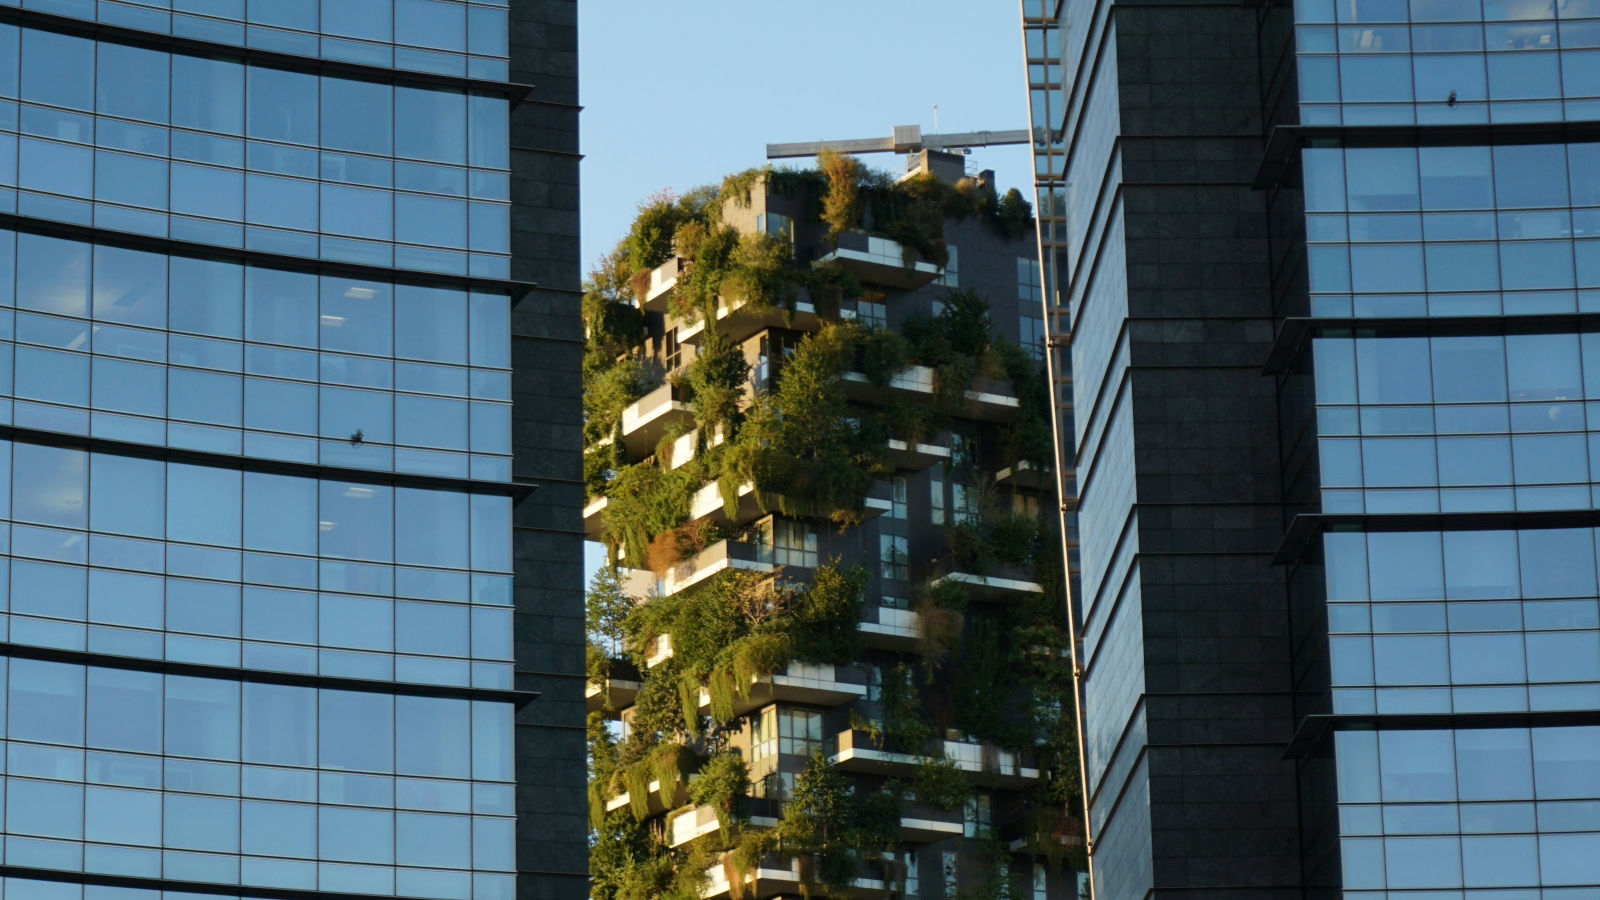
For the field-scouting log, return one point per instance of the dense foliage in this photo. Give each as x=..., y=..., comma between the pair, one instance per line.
x=807, y=450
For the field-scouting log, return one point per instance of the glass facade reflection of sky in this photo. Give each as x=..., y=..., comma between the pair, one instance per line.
x=255, y=517
x=221, y=152
x=1461, y=394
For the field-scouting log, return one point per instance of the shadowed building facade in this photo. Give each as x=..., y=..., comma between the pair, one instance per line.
x=1328, y=275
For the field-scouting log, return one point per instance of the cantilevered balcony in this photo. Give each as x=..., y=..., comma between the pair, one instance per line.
x=774, y=877
x=718, y=557
x=658, y=650
x=819, y=684
x=879, y=260
x=924, y=823
x=663, y=280
x=856, y=751
x=701, y=821
x=646, y=420
x=655, y=804
x=1024, y=474
x=997, y=582
x=916, y=455
x=594, y=518
x=707, y=504
x=621, y=686
x=738, y=321
x=987, y=399
x=887, y=628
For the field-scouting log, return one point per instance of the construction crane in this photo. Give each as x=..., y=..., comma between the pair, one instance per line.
x=905, y=139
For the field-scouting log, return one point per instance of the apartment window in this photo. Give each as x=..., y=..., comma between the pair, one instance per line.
x=1025, y=505
x=672, y=351
x=799, y=731
x=949, y=276
x=872, y=314
x=1041, y=883
x=794, y=544
x=764, y=734
x=963, y=504
x=777, y=730
x=897, y=509
x=952, y=875
x=774, y=786
x=963, y=448
x=909, y=860
x=1033, y=337
x=776, y=224
x=1030, y=285
x=977, y=817
x=894, y=557
x=894, y=602
x=936, y=501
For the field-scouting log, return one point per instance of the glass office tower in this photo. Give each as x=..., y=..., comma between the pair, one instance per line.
x=1332, y=270
x=1451, y=183
x=268, y=631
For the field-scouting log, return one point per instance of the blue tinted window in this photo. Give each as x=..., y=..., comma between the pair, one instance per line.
x=206, y=296
x=124, y=710
x=366, y=19
x=356, y=731
x=282, y=105
x=52, y=275
x=208, y=94
x=356, y=115
x=357, y=316
x=430, y=23
x=430, y=125
x=58, y=69
x=279, y=725
x=281, y=307
x=132, y=82
x=203, y=505
x=129, y=495
x=45, y=702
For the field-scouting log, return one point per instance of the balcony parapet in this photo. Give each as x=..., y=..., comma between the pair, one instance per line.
x=645, y=421
x=986, y=399
x=621, y=685
x=820, y=684
x=915, y=455
x=880, y=260
x=738, y=320
x=775, y=876
x=998, y=582
x=658, y=288
x=723, y=555
x=889, y=628
x=924, y=823
x=854, y=750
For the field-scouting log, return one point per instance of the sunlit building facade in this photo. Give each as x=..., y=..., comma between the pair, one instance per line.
x=287, y=457
x=1331, y=271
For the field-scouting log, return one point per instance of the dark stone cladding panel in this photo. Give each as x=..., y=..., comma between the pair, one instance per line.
x=547, y=332
x=1206, y=457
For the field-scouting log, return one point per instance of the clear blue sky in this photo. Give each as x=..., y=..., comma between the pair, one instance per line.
x=679, y=94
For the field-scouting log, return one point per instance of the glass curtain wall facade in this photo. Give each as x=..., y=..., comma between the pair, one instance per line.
x=1413, y=233
x=267, y=614
x=1454, y=274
